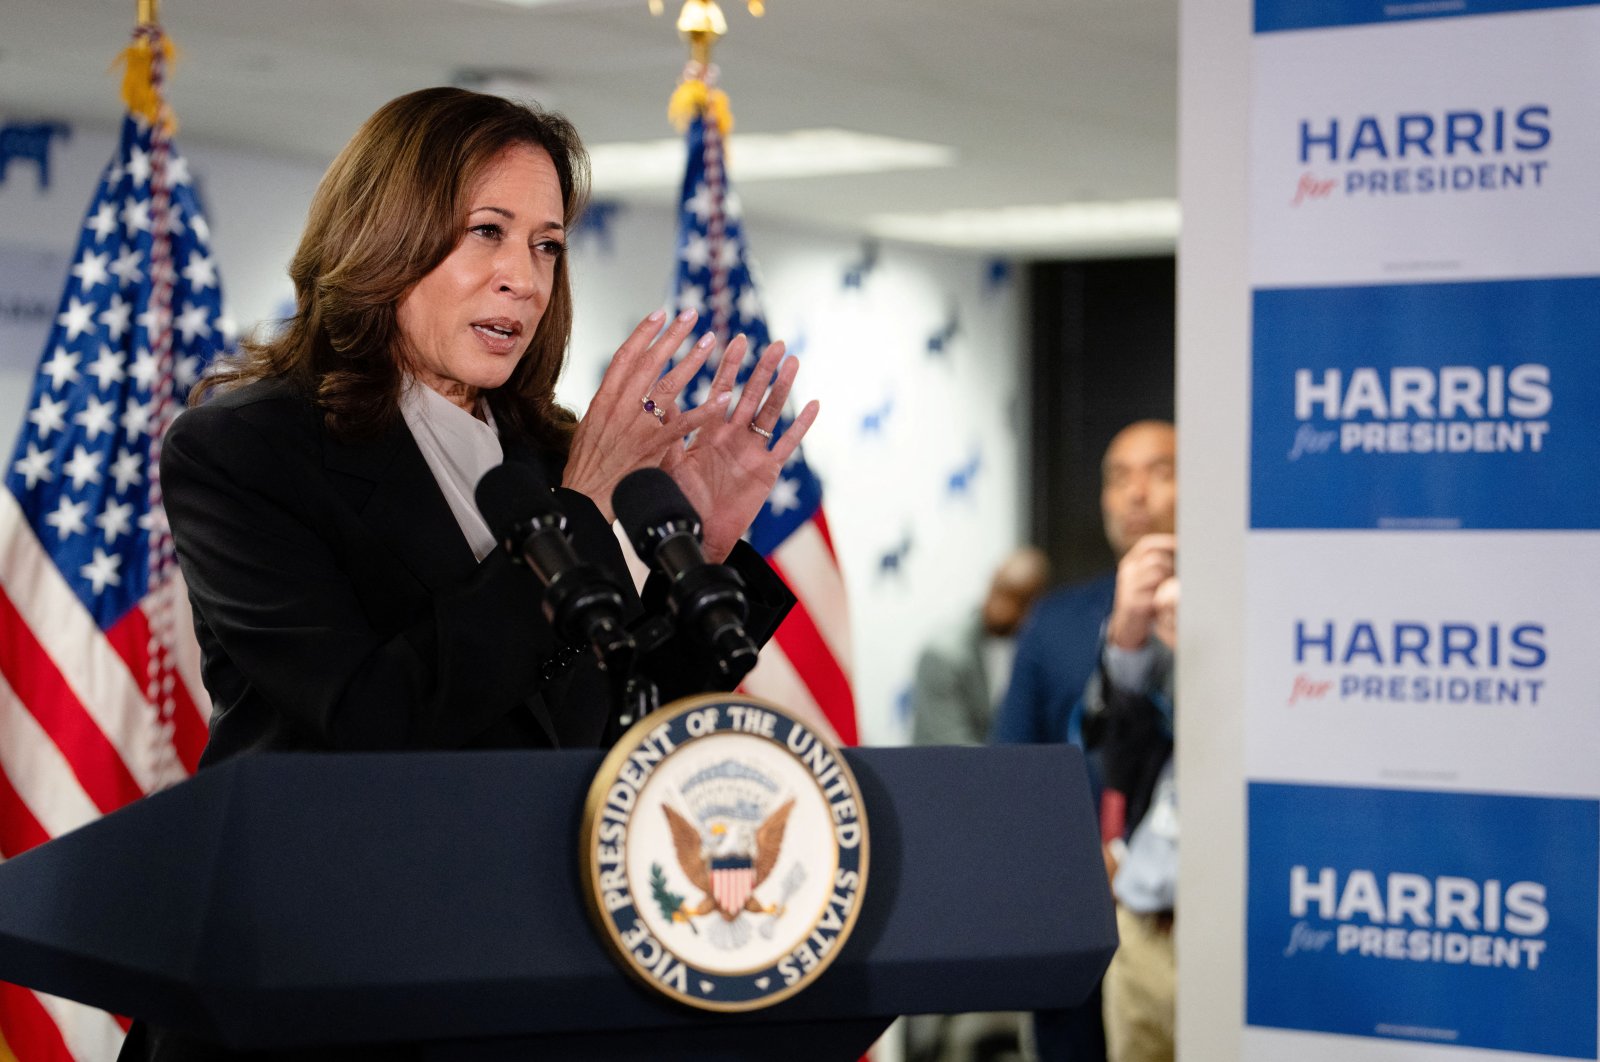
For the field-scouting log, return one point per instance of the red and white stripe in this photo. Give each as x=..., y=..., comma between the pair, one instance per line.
x=78, y=739
x=807, y=665
x=731, y=886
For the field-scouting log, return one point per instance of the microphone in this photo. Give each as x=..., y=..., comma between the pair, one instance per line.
x=580, y=601
x=706, y=599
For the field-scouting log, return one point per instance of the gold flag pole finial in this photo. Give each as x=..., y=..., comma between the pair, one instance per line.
x=702, y=24
x=757, y=8
x=149, y=12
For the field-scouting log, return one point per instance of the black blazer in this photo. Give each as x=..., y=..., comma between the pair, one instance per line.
x=339, y=607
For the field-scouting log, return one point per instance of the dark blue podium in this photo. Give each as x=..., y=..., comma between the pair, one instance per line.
x=277, y=901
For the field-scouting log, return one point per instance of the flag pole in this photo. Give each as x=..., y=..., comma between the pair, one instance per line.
x=144, y=91
x=806, y=666
x=144, y=68
x=700, y=23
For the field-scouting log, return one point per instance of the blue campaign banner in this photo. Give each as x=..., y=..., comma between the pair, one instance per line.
x=1452, y=918
x=1468, y=405
x=1277, y=15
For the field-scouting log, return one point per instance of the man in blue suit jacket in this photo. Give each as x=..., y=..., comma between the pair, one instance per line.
x=1056, y=653
x=1059, y=650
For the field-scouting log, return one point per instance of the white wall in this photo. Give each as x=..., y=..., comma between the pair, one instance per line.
x=865, y=353
x=1213, y=427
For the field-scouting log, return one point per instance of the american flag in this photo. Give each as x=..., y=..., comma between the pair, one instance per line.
x=806, y=665
x=100, y=696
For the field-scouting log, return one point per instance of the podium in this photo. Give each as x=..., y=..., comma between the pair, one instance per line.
x=283, y=900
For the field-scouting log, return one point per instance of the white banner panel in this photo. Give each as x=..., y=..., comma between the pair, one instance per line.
x=1451, y=662
x=1444, y=148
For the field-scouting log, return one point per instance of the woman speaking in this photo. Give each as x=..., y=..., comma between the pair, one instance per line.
x=346, y=592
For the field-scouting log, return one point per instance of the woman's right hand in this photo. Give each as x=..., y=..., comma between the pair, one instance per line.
x=618, y=434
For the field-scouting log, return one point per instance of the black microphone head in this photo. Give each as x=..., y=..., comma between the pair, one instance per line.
x=648, y=503
x=510, y=494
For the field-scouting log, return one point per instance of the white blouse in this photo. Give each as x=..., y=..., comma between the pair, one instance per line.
x=459, y=449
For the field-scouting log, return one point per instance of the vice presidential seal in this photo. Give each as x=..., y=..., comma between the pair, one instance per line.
x=724, y=849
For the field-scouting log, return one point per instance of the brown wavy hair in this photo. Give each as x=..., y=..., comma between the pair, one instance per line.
x=388, y=211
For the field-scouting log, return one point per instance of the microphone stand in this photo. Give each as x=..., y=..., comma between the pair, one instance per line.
x=634, y=694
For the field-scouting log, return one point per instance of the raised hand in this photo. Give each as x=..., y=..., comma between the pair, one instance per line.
x=1150, y=563
x=728, y=468
x=633, y=420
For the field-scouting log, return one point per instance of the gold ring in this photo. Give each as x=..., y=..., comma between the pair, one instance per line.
x=764, y=433
x=651, y=408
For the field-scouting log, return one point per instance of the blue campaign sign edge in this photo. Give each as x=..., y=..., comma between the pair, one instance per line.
x=1276, y=16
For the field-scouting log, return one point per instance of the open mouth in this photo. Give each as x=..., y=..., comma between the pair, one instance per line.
x=498, y=329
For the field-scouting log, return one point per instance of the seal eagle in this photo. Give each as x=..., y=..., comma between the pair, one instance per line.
x=727, y=864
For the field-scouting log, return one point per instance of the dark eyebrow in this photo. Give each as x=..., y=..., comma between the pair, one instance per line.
x=1111, y=468
x=549, y=226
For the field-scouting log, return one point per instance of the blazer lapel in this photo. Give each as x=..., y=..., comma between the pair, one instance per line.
x=405, y=509
x=408, y=513
x=523, y=453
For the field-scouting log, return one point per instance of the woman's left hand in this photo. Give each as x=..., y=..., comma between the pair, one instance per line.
x=618, y=432
x=728, y=468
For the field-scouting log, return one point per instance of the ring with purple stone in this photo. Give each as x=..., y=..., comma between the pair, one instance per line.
x=654, y=410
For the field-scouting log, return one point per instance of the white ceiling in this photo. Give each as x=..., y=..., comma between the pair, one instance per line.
x=1044, y=102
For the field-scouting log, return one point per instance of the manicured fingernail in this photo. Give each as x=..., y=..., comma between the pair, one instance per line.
x=724, y=398
x=705, y=341
x=657, y=317
x=687, y=315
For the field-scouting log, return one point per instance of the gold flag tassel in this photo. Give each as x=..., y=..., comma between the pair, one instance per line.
x=144, y=63
x=700, y=23
x=694, y=97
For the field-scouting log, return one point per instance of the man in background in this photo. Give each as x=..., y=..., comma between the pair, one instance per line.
x=961, y=675
x=1128, y=722
x=1058, y=646
x=1058, y=652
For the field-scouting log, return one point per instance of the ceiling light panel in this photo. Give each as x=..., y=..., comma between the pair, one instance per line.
x=1123, y=225
x=656, y=164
